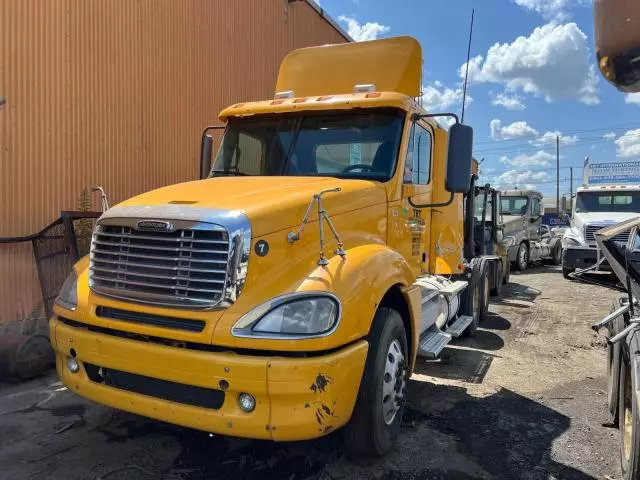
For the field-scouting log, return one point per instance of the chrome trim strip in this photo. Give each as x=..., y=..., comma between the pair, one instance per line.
x=242, y=327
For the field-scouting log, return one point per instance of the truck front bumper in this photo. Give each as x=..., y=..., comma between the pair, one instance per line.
x=296, y=398
x=582, y=257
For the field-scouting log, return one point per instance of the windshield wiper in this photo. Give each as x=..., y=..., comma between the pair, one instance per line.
x=231, y=172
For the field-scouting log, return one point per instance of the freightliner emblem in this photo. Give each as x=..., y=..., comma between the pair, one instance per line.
x=154, y=226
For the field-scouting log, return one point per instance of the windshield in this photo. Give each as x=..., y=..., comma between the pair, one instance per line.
x=608, y=202
x=514, y=205
x=338, y=144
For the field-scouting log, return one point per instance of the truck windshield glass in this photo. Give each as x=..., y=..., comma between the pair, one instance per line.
x=360, y=145
x=608, y=202
x=514, y=205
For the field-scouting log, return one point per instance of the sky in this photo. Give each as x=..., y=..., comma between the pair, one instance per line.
x=532, y=78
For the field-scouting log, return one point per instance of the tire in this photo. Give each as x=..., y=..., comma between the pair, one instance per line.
x=368, y=433
x=614, y=353
x=522, y=257
x=567, y=271
x=471, y=300
x=628, y=416
x=507, y=272
x=557, y=253
x=485, y=276
x=496, y=291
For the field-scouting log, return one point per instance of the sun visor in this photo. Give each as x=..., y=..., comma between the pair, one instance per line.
x=386, y=65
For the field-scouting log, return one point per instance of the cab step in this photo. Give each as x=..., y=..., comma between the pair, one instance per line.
x=459, y=326
x=433, y=342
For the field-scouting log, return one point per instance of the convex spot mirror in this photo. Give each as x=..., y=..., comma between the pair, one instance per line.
x=459, y=158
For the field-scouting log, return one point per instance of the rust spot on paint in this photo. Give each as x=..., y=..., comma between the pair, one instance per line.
x=321, y=383
x=323, y=413
x=306, y=405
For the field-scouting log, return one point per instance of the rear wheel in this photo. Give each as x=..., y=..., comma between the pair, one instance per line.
x=485, y=275
x=499, y=280
x=507, y=272
x=522, y=259
x=628, y=418
x=375, y=424
x=472, y=299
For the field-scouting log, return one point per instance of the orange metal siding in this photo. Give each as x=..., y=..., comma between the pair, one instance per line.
x=115, y=93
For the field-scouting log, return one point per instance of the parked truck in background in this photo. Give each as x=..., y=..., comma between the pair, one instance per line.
x=596, y=207
x=289, y=293
x=489, y=236
x=527, y=239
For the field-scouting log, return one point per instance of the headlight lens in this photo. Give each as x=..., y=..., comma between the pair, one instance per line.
x=303, y=316
x=68, y=296
x=570, y=242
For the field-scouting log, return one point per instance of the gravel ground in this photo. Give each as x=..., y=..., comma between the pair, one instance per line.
x=523, y=399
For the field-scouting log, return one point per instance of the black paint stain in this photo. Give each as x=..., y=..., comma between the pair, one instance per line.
x=321, y=383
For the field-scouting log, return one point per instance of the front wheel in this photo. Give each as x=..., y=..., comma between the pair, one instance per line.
x=557, y=253
x=566, y=272
x=374, y=427
x=522, y=259
x=628, y=419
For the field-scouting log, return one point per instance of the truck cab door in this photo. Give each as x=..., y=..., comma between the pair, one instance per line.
x=533, y=220
x=410, y=222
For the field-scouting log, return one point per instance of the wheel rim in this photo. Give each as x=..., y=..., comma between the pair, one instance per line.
x=523, y=257
x=393, y=382
x=628, y=419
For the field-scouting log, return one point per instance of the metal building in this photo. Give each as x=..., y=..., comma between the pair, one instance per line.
x=116, y=93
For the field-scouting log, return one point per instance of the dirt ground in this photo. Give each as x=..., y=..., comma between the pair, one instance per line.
x=523, y=399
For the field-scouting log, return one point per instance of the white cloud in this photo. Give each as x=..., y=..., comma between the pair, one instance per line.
x=510, y=102
x=516, y=178
x=540, y=159
x=511, y=131
x=437, y=97
x=609, y=136
x=553, y=62
x=362, y=32
x=628, y=145
x=632, y=98
x=551, y=9
x=549, y=138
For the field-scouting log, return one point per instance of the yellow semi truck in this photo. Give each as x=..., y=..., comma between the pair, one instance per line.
x=289, y=293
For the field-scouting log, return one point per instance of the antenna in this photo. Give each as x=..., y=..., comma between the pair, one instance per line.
x=466, y=75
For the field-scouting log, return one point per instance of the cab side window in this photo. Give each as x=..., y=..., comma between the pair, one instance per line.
x=418, y=165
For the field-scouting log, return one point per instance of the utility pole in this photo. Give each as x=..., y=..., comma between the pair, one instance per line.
x=570, y=183
x=558, y=174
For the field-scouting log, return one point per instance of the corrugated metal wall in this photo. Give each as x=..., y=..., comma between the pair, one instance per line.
x=115, y=93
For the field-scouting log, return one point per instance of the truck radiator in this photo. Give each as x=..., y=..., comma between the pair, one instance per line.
x=181, y=268
x=591, y=229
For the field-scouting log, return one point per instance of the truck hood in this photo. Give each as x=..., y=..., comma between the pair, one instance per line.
x=270, y=203
x=579, y=220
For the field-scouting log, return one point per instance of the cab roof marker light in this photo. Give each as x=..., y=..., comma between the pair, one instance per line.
x=373, y=95
x=283, y=95
x=364, y=88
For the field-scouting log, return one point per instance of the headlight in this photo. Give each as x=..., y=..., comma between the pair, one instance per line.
x=570, y=242
x=68, y=296
x=290, y=316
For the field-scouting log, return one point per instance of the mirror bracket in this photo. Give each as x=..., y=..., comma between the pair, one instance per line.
x=204, y=152
x=416, y=116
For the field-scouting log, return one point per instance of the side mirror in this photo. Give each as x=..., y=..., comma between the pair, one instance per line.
x=540, y=210
x=206, y=150
x=459, y=158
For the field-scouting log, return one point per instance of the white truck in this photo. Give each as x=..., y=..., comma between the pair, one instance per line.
x=596, y=207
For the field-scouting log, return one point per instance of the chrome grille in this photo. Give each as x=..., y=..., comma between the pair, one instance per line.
x=186, y=267
x=591, y=229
